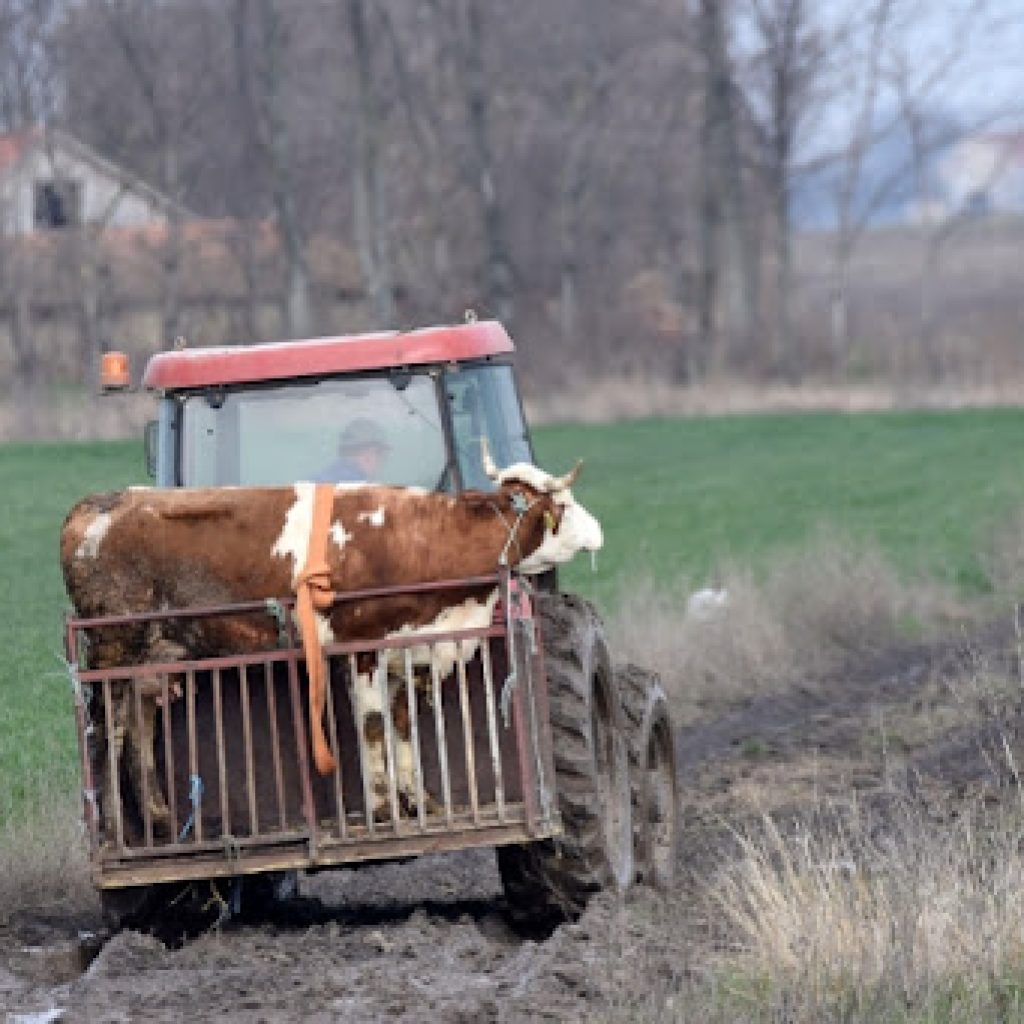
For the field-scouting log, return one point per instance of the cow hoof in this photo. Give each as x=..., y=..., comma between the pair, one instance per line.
x=409, y=805
x=161, y=815
x=382, y=814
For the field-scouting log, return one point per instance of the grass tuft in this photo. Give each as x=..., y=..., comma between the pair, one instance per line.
x=43, y=855
x=878, y=920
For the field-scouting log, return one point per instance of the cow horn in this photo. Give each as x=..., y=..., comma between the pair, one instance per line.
x=562, y=483
x=485, y=455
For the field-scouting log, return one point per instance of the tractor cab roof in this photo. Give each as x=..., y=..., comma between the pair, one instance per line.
x=187, y=369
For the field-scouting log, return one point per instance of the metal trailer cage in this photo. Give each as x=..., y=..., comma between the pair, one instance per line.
x=230, y=748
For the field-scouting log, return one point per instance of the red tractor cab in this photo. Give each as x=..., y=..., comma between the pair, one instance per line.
x=280, y=412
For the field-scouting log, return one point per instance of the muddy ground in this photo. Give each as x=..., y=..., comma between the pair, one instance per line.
x=428, y=940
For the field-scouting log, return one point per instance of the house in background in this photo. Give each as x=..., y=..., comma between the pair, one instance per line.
x=49, y=180
x=91, y=257
x=984, y=173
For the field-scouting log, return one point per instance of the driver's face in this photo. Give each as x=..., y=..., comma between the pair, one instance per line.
x=368, y=459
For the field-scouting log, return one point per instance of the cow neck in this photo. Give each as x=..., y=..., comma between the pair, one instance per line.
x=313, y=594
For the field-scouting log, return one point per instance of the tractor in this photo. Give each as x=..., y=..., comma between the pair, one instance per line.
x=537, y=746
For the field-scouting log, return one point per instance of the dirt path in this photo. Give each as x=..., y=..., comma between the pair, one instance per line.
x=417, y=942
x=427, y=940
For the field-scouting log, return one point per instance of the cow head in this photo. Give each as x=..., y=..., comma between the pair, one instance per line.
x=563, y=526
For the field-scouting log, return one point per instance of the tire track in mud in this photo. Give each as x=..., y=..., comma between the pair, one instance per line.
x=391, y=943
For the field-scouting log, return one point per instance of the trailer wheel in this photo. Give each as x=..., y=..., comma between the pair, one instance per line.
x=551, y=881
x=165, y=909
x=130, y=907
x=655, y=784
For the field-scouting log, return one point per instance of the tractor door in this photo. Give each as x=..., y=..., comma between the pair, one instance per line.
x=484, y=402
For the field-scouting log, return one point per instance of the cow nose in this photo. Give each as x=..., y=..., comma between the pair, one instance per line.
x=584, y=528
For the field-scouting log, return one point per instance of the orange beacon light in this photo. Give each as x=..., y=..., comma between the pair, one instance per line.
x=114, y=372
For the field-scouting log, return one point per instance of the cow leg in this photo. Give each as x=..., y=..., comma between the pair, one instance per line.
x=142, y=760
x=405, y=761
x=115, y=750
x=405, y=772
x=367, y=712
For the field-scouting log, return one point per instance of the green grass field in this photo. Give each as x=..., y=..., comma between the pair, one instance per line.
x=675, y=498
x=678, y=497
x=38, y=484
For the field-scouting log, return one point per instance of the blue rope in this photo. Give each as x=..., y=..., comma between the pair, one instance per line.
x=195, y=795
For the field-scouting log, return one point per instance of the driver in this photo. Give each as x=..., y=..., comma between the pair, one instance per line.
x=362, y=450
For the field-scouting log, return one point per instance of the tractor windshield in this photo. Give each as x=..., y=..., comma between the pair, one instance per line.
x=379, y=429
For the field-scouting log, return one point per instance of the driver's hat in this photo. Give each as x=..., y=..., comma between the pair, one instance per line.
x=363, y=433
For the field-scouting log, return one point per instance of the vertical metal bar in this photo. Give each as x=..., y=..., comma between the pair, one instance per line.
x=467, y=736
x=414, y=738
x=193, y=750
x=332, y=726
x=389, y=736
x=172, y=796
x=442, y=742
x=222, y=769
x=84, y=728
x=492, y=727
x=275, y=744
x=143, y=750
x=359, y=720
x=524, y=750
x=113, y=768
x=302, y=746
x=522, y=700
x=540, y=728
x=250, y=771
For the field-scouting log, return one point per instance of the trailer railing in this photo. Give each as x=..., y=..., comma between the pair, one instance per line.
x=201, y=767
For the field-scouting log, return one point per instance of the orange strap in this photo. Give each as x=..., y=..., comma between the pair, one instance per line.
x=313, y=593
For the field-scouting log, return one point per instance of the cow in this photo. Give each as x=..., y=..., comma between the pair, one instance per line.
x=146, y=549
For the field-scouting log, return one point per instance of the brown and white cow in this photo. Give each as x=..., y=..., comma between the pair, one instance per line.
x=149, y=549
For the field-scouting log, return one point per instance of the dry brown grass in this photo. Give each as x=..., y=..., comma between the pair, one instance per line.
x=73, y=416
x=43, y=857
x=843, y=917
x=876, y=921
x=622, y=397
x=1003, y=558
x=813, y=609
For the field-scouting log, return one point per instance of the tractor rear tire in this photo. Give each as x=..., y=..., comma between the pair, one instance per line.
x=655, y=782
x=551, y=881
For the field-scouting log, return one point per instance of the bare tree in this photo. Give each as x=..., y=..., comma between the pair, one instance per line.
x=369, y=189
x=974, y=30
x=27, y=97
x=788, y=61
x=729, y=255
x=499, y=275
x=261, y=41
x=173, y=98
x=27, y=93
x=891, y=66
x=863, y=129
